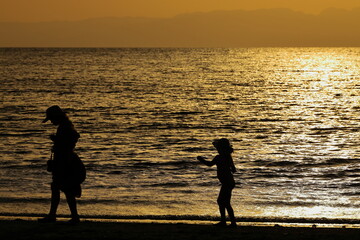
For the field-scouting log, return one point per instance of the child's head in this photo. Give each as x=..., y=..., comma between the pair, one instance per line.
x=223, y=146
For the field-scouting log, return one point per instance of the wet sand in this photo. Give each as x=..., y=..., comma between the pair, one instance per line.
x=30, y=229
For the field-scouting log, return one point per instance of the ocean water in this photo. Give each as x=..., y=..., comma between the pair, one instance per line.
x=292, y=115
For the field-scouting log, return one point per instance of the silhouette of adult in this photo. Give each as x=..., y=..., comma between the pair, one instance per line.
x=66, y=167
x=225, y=170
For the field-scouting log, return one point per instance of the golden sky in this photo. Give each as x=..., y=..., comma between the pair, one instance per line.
x=50, y=10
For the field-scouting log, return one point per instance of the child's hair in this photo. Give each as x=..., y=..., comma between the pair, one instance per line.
x=223, y=146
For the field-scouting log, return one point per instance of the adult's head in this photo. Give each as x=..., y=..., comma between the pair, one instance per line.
x=55, y=114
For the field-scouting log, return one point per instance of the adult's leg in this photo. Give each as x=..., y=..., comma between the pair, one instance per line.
x=70, y=198
x=55, y=199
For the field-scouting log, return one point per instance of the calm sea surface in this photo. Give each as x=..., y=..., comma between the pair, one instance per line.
x=292, y=115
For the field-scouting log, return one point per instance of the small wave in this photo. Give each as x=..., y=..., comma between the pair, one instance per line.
x=116, y=172
x=336, y=161
x=267, y=175
x=27, y=166
x=169, y=184
x=143, y=164
x=353, y=173
x=328, y=129
x=194, y=149
x=275, y=120
x=334, y=175
x=323, y=131
x=353, y=194
x=332, y=162
x=47, y=200
x=23, y=200
x=285, y=203
x=16, y=134
x=170, y=126
x=282, y=164
x=261, y=137
x=269, y=163
x=186, y=113
x=305, y=204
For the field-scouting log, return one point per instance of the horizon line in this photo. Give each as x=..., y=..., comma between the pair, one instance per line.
x=179, y=15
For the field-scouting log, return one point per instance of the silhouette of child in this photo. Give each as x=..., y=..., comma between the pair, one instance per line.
x=64, y=166
x=225, y=170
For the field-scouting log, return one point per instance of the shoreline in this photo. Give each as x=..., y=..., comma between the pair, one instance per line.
x=29, y=229
x=195, y=220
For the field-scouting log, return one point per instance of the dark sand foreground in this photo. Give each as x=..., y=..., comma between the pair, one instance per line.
x=24, y=229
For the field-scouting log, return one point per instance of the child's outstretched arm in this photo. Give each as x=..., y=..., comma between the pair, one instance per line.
x=208, y=163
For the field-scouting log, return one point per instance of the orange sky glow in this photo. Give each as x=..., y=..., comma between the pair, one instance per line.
x=179, y=23
x=56, y=10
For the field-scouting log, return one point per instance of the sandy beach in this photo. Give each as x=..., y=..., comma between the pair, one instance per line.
x=31, y=229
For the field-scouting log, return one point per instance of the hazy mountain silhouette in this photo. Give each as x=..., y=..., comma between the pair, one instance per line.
x=263, y=28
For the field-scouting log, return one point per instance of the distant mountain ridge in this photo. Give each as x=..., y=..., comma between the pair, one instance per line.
x=258, y=28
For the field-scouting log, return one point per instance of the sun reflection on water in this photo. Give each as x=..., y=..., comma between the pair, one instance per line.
x=145, y=114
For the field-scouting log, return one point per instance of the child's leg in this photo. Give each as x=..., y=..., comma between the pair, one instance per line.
x=229, y=208
x=222, y=213
x=231, y=214
x=221, y=204
x=224, y=201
